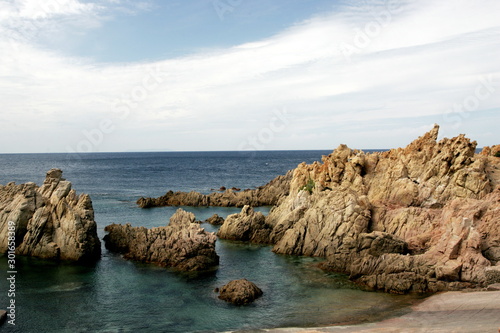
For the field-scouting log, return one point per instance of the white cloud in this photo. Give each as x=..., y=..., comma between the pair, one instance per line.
x=369, y=65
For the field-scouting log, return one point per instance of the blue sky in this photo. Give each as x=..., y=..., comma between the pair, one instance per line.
x=123, y=75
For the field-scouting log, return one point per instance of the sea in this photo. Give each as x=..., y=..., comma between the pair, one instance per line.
x=118, y=295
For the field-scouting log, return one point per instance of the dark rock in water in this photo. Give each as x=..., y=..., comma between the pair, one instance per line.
x=266, y=195
x=215, y=220
x=50, y=221
x=222, y=188
x=240, y=292
x=182, y=244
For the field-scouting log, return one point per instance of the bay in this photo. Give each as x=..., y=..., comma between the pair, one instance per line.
x=116, y=295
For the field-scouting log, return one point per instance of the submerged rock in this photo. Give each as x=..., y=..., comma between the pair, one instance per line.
x=240, y=292
x=50, y=221
x=266, y=195
x=182, y=244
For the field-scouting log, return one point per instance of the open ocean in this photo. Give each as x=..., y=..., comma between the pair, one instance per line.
x=116, y=295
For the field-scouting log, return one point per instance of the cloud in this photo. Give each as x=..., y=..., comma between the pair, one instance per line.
x=368, y=74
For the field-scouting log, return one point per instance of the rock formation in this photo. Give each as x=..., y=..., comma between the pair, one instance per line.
x=421, y=218
x=50, y=221
x=266, y=195
x=182, y=244
x=240, y=292
x=215, y=220
x=246, y=226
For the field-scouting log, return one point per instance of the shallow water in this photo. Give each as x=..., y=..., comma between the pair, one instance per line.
x=116, y=295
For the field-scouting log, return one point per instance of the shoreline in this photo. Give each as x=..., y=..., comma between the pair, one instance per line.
x=450, y=311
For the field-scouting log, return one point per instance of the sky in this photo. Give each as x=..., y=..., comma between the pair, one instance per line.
x=203, y=75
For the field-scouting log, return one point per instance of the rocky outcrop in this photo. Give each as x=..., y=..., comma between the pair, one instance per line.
x=246, y=226
x=240, y=292
x=421, y=218
x=182, y=244
x=50, y=221
x=266, y=195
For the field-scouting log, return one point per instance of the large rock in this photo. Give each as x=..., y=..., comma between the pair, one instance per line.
x=247, y=225
x=50, y=221
x=240, y=292
x=266, y=195
x=421, y=218
x=182, y=244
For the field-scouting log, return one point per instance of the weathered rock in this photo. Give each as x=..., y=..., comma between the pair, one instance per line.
x=266, y=195
x=182, y=244
x=247, y=225
x=492, y=274
x=494, y=287
x=240, y=292
x=50, y=221
x=421, y=218
x=215, y=220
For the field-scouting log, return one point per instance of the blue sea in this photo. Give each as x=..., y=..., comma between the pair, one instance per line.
x=116, y=295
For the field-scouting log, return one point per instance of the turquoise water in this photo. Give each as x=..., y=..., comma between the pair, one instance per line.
x=116, y=295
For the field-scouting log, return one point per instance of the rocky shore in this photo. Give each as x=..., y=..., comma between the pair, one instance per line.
x=50, y=221
x=267, y=195
x=424, y=218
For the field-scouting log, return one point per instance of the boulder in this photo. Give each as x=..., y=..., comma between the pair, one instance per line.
x=247, y=225
x=182, y=244
x=215, y=220
x=240, y=292
x=50, y=221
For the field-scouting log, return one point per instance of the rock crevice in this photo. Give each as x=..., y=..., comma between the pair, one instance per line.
x=421, y=218
x=50, y=221
x=182, y=244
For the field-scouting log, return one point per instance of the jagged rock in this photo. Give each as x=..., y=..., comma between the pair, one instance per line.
x=421, y=218
x=50, y=221
x=491, y=151
x=266, y=195
x=247, y=225
x=240, y=292
x=215, y=220
x=182, y=244
x=492, y=275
